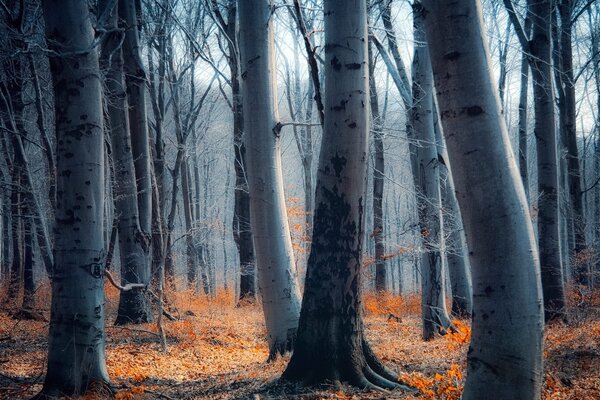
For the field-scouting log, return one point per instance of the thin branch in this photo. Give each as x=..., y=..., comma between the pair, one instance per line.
x=521, y=35
x=125, y=288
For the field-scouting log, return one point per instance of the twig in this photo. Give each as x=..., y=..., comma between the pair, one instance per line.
x=134, y=330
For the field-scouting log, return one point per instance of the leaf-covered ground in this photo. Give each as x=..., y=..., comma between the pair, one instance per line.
x=218, y=351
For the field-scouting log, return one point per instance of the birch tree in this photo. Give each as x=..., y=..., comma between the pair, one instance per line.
x=505, y=353
x=76, y=358
x=277, y=281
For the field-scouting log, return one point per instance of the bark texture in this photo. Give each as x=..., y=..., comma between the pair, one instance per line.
x=133, y=304
x=434, y=312
x=276, y=273
x=76, y=358
x=505, y=354
x=331, y=345
x=547, y=162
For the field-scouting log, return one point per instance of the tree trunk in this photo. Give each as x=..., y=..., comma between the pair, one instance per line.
x=76, y=356
x=242, y=233
x=381, y=278
x=523, y=108
x=547, y=164
x=134, y=306
x=277, y=280
x=568, y=126
x=457, y=255
x=331, y=345
x=433, y=296
x=505, y=354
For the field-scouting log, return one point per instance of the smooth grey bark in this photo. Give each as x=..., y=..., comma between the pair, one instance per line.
x=457, y=257
x=547, y=162
x=434, y=313
x=331, y=345
x=523, y=108
x=242, y=233
x=277, y=280
x=381, y=273
x=568, y=126
x=135, y=79
x=134, y=306
x=505, y=354
x=76, y=353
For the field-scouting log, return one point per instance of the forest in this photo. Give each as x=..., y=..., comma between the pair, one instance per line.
x=300, y=199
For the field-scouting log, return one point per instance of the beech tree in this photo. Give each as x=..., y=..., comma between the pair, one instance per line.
x=434, y=313
x=505, y=353
x=76, y=359
x=133, y=245
x=330, y=345
x=277, y=281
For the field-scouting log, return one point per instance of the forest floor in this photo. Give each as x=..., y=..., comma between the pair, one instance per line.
x=218, y=351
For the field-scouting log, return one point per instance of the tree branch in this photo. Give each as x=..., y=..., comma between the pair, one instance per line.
x=125, y=288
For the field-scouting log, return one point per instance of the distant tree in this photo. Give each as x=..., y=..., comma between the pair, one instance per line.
x=76, y=355
x=133, y=244
x=434, y=313
x=242, y=233
x=505, y=354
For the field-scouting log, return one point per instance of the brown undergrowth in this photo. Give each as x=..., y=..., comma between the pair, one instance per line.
x=218, y=351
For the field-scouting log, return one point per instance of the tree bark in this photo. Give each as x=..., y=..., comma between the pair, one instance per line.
x=381, y=276
x=457, y=255
x=434, y=312
x=331, y=345
x=134, y=306
x=76, y=352
x=242, y=233
x=277, y=280
x=505, y=354
x=547, y=163
x=569, y=127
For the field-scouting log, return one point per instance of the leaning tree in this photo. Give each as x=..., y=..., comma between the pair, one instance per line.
x=505, y=354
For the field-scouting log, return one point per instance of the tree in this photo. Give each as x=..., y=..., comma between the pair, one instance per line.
x=277, y=282
x=331, y=343
x=540, y=63
x=76, y=358
x=242, y=233
x=505, y=354
x=133, y=244
x=434, y=313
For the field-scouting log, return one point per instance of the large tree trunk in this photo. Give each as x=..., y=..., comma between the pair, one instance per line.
x=547, y=163
x=76, y=358
x=434, y=314
x=331, y=345
x=505, y=355
x=133, y=304
x=277, y=280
